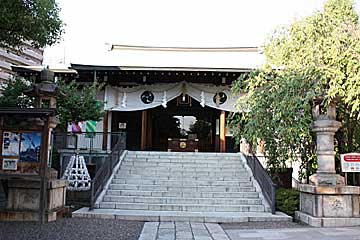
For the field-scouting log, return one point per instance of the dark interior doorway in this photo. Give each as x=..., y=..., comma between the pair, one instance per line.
x=184, y=120
x=187, y=120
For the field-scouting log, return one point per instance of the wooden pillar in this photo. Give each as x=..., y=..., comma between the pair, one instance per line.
x=44, y=157
x=105, y=130
x=149, y=130
x=222, y=132
x=143, y=130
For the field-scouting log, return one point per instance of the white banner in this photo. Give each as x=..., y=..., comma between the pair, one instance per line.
x=129, y=98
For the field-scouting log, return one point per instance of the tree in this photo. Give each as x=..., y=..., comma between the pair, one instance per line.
x=317, y=56
x=12, y=94
x=34, y=21
x=78, y=104
x=280, y=115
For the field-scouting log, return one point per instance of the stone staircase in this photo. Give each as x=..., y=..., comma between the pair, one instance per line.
x=173, y=186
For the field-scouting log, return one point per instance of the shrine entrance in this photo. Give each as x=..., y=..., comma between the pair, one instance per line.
x=187, y=122
x=184, y=125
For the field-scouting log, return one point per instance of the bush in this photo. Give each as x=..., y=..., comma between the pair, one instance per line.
x=287, y=200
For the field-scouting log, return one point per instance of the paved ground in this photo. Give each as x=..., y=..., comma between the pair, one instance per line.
x=263, y=225
x=72, y=229
x=182, y=231
x=212, y=231
x=296, y=234
x=108, y=229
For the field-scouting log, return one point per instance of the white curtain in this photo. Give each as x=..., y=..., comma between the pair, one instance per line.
x=129, y=98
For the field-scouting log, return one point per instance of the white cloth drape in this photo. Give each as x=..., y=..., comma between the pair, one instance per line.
x=129, y=98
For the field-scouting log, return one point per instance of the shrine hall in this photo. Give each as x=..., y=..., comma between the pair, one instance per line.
x=161, y=108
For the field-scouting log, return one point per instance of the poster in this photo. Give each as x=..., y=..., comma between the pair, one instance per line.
x=10, y=145
x=9, y=164
x=30, y=147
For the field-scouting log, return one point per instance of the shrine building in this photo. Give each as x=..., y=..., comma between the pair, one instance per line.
x=161, y=108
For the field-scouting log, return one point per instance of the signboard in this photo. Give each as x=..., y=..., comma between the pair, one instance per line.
x=350, y=162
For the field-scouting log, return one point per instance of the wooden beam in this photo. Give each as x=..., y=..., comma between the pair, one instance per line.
x=222, y=132
x=105, y=130
x=143, y=130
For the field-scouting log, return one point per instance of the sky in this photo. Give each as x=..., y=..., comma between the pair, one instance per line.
x=92, y=25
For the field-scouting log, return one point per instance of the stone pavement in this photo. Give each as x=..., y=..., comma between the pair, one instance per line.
x=296, y=234
x=182, y=231
x=213, y=231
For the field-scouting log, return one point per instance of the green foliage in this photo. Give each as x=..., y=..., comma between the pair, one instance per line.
x=287, y=200
x=12, y=94
x=317, y=56
x=328, y=42
x=280, y=114
x=36, y=21
x=79, y=104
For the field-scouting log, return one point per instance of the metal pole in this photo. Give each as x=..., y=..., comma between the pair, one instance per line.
x=273, y=195
x=92, y=204
x=346, y=178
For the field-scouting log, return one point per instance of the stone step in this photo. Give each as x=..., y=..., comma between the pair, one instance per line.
x=169, y=183
x=249, y=194
x=184, y=160
x=180, y=174
x=157, y=153
x=183, y=183
x=183, y=207
x=172, y=216
x=172, y=200
x=181, y=164
x=186, y=169
x=181, y=188
x=243, y=178
x=208, y=171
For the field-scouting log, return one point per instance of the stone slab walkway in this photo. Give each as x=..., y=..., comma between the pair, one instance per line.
x=182, y=231
x=350, y=233
x=213, y=231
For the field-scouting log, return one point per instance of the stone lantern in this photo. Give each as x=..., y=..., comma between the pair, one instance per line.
x=45, y=93
x=325, y=127
x=327, y=201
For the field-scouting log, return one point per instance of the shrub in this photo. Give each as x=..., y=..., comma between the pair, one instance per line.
x=287, y=200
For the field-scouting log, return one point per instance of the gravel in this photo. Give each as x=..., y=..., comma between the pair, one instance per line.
x=263, y=225
x=72, y=228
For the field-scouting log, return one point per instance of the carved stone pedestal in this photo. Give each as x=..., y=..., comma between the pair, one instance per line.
x=329, y=206
x=23, y=200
